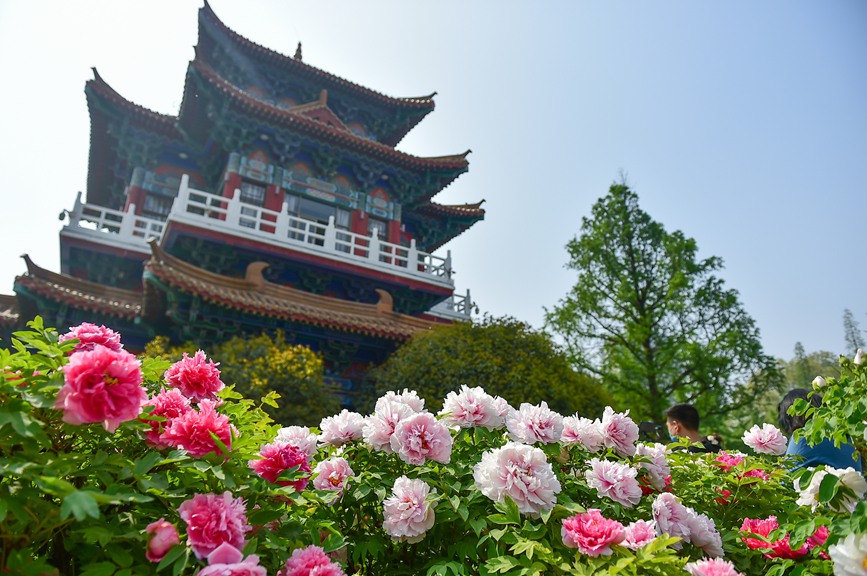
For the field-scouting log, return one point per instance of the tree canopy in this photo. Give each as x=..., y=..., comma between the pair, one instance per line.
x=652, y=320
x=504, y=356
x=256, y=365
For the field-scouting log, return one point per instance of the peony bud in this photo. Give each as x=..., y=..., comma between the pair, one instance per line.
x=163, y=537
x=819, y=382
x=859, y=357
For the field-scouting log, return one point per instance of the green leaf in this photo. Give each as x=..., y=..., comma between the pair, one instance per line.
x=80, y=504
x=333, y=542
x=828, y=487
x=478, y=524
x=501, y=564
x=99, y=569
x=176, y=552
x=144, y=464
x=4, y=509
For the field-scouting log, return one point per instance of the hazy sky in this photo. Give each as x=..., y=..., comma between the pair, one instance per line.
x=743, y=124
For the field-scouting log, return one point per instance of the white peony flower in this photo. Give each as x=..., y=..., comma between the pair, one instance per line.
x=850, y=555
x=849, y=477
x=530, y=424
x=522, y=473
x=584, y=431
x=469, y=408
x=859, y=357
x=819, y=382
x=301, y=437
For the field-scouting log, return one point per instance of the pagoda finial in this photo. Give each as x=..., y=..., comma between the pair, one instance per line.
x=298, y=52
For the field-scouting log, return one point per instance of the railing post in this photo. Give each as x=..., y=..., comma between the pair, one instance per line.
x=233, y=210
x=373, y=246
x=281, y=227
x=448, y=264
x=412, y=257
x=330, y=236
x=127, y=223
x=468, y=305
x=179, y=205
x=75, y=215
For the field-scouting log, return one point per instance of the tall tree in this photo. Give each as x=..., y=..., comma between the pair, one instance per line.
x=851, y=332
x=652, y=320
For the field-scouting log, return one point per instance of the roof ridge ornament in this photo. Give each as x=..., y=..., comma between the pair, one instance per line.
x=385, y=305
x=254, y=274
x=298, y=53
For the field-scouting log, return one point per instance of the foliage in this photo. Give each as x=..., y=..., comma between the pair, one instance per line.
x=852, y=332
x=260, y=364
x=76, y=499
x=504, y=356
x=652, y=320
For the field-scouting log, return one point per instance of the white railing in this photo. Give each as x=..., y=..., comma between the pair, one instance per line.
x=246, y=220
x=456, y=307
x=125, y=226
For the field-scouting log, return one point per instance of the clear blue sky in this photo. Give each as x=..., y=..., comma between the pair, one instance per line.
x=743, y=124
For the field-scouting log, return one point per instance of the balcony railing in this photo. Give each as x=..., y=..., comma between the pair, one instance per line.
x=456, y=307
x=233, y=217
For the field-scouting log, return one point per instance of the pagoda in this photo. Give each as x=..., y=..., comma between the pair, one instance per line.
x=275, y=200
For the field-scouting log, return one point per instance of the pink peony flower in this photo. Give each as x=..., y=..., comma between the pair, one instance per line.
x=301, y=437
x=421, y=436
x=278, y=457
x=703, y=534
x=818, y=538
x=591, y=533
x=728, y=461
x=614, y=480
x=619, y=431
x=756, y=473
x=197, y=378
x=213, y=519
x=583, y=431
x=90, y=336
x=712, y=567
x=341, y=428
x=638, y=534
x=765, y=440
x=379, y=427
x=671, y=517
x=406, y=513
x=310, y=561
x=503, y=409
x=469, y=408
x=530, y=424
x=408, y=397
x=332, y=474
x=226, y=560
x=101, y=385
x=163, y=536
x=522, y=473
x=758, y=527
x=168, y=404
x=192, y=431
x=655, y=464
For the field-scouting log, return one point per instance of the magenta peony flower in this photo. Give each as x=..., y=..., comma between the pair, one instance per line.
x=638, y=534
x=332, y=474
x=703, y=534
x=408, y=397
x=780, y=548
x=591, y=533
x=765, y=440
x=406, y=513
x=278, y=457
x=226, y=560
x=671, y=517
x=310, y=561
x=168, y=404
x=197, y=378
x=530, y=424
x=756, y=473
x=341, y=428
x=163, y=536
x=728, y=461
x=192, y=430
x=301, y=437
x=522, y=473
x=712, y=567
x=614, y=480
x=90, y=336
x=469, y=408
x=421, y=436
x=583, y=431
x=101, y=385
x=619, y=431
x=656, y=465
x=213, y=519
x=379, y=426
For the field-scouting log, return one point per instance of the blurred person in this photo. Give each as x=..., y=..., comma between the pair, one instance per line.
x=682, y=421
x=822, y=453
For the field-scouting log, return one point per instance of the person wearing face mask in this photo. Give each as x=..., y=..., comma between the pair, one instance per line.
x=682, y=422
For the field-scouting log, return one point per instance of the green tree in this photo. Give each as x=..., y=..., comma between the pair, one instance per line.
x=504, y=356
x=259, y=364
x=851, y=332
x=653, y=321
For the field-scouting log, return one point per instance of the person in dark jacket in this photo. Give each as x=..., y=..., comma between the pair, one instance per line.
x=682, y=421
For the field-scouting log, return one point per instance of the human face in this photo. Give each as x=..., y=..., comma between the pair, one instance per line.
x=673, y=429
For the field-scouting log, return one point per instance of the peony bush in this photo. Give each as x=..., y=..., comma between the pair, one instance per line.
x=112, y=465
